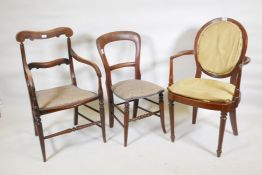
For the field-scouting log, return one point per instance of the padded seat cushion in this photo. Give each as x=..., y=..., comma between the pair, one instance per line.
x=204, y=89
x=134, y=89
x=62, y=96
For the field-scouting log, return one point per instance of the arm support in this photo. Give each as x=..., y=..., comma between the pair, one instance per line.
x=82, y=60
x=179, y=54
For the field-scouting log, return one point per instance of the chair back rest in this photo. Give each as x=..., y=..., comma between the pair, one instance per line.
x=220, y=46
x=32, y=35
x=105, y=39
x=23, y=35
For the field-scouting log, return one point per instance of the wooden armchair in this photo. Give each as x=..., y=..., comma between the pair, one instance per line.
x=219, y=51
x=129, y=90
x=63, y=97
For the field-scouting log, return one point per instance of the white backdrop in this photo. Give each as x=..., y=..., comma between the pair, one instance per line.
x=165, y=27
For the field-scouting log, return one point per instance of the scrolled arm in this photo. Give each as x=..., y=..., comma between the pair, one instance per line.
x=246, y=60
x=179, y=54
x=85, y=61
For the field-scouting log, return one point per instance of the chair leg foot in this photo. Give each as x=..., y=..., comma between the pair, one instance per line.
x=233, y=121
x=172, y=122
x=223, y=119
x=162, y=115
x=126, y=120
x=41, y=137
x=172, y=138
x=219, y=153
x=194, y=117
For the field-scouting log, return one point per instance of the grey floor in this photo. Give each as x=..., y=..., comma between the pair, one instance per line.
x=149, y=151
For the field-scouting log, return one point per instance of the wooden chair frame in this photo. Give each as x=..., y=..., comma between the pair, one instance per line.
x=224, y=107
x=36, y=112
x=102, y=41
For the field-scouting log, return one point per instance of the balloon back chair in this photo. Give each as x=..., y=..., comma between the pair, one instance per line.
x=129, y=90
x=219, y=51
x=63, y=97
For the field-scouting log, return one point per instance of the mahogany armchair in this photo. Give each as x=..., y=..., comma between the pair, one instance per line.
x=219, y=51
x=63, y=97
x=129, y=90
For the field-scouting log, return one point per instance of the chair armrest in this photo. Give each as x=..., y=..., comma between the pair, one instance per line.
x=85, y=61
x=179, y=54
x=93, y=65
x=246, y=60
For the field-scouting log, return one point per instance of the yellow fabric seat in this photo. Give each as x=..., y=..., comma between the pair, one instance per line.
x=204, y=89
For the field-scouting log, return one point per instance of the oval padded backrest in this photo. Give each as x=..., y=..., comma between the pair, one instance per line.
x=219, y=47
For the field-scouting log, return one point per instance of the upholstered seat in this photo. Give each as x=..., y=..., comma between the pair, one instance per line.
x=204, y=89
x=62, y=96
x=134, y=89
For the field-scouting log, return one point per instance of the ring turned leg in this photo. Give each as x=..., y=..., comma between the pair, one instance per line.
x=41, y=137
x=102, y=118
x=223, y=119
x=135, y=108
x=34, y=122
x=126, y=120
x=194, y=117
x=111, y=112
x=172, y=122
x=233, y=120
x=162, y=115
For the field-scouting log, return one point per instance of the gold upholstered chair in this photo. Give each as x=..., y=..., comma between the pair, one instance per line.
x=219, y=51
x=63, y=97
